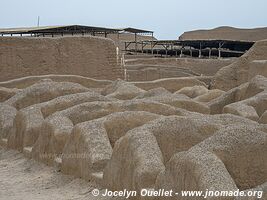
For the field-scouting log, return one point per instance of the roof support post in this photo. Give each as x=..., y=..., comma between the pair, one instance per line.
x=219, y=49
x=135, y=40
x=152, y=47
x=209, y=53
x=166, y=50
x=200, y=50
x=152, y=39
x=181, y=54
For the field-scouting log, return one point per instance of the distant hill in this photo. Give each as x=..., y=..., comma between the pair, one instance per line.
x=227, y=33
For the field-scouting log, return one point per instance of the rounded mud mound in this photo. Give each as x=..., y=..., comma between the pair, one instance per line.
x=166, y=134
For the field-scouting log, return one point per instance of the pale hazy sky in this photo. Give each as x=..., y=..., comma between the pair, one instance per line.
x=168, y=18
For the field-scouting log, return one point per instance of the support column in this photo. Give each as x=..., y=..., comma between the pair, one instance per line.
x=152, y=39
x=220, y=48
x=152, y=47
x=166, y=50
x=209, y=53
x=135, y=39
x=181, y=54
x=200, y=49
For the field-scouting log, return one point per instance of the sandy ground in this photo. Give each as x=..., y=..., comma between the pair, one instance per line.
x=24, y=179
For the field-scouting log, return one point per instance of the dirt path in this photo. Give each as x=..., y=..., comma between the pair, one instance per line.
x=24, y=179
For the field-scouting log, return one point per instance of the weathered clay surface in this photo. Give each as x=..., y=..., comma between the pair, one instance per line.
x=170, y=133
x=244, y=69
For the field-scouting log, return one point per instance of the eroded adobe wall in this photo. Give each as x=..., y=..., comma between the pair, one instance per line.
x=88, y=56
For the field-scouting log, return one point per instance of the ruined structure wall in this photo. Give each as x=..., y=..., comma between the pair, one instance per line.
x=87, y=56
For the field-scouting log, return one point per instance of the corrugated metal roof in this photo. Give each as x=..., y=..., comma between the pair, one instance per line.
x=68, y=28
x=135, y=30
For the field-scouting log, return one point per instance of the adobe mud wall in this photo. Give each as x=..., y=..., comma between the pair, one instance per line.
x=87, y=56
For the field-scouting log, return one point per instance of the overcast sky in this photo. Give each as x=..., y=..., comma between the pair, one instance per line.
x=168, y=18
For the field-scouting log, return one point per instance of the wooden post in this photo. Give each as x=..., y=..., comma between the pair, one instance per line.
x=219, y=50
x=220, y=46
x=209, y=53
x=152, y=39
x=200, y=48
x=181, y=55
x=166, y=50
x=135, y=39
x=151, y=47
